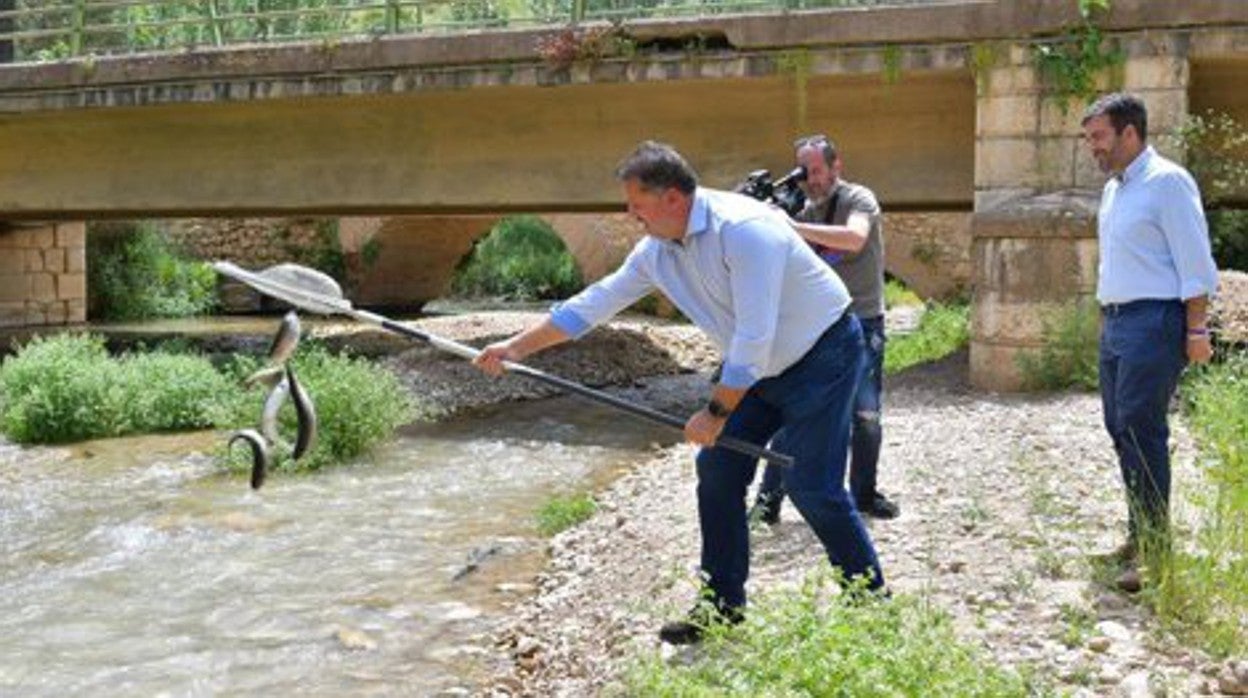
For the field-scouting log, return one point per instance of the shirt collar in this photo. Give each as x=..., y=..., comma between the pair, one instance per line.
x=699, y=214
x=1138, y=165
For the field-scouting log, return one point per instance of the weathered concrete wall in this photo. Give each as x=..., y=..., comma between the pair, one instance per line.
x=43, y=275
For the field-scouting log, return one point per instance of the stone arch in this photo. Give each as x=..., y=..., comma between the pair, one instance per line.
x=417, y=255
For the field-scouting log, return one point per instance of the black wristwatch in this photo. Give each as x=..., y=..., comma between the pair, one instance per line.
x=718, y=409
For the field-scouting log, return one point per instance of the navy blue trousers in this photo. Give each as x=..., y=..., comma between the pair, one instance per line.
x=811, y=402
x=1143, y=352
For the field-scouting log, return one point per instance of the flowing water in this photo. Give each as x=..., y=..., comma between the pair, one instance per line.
x=135, y=567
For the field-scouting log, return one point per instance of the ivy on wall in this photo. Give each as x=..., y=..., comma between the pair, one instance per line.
x=1071, y=64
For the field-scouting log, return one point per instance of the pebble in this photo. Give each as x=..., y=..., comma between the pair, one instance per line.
x=1233, y=680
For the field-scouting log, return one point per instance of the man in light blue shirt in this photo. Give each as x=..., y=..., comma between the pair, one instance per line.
x=791, y=352
x=1155, y=279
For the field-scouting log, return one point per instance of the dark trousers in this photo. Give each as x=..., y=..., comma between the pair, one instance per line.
x=1142, y=355
x=865, y=432
x=811, y=402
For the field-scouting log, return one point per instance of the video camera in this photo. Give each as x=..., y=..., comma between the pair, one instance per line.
x=783, y=192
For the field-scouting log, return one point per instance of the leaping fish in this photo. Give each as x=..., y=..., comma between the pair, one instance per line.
x=306, y=413
x=286, y=339
x=272, y=405
x=259, y=454
x=267, y=376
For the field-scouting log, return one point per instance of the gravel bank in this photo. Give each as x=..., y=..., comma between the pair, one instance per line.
x=1004, y=498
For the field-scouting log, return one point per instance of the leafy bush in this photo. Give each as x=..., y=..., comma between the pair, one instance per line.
x=816, y=642
x=358, y=406
x=138, y=274
x=942, y=331
x=521, y=259
x=898, y=294
x=66, y=388
x=1217, y=148
x=1228, y=233
x=1068, y=356
x=564, y=512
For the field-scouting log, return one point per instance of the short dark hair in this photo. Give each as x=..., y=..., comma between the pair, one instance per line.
x=657, y=166
x=820, y=141
x=1123, y=110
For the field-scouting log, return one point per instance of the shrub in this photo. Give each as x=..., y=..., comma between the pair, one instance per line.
x=816, y=642
x=564, y=512
x=521, y=259
x=1068, y=356
x=358, y=406
x=1217, y=148
x=137, y=274
x=1228, y=234
x=941, y=331
x=66, y=388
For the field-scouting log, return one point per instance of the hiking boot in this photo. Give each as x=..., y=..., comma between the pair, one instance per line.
x=1130, y=581
x=766, y=509
x=1123, y=554
x=690, y=629
x=877, y=506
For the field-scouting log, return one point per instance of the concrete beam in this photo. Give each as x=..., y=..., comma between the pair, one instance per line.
x=480, y=150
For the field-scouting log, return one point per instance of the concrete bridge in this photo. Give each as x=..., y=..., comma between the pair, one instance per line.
x=938, y=107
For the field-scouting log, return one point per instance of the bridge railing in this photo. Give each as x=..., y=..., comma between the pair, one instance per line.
x=45, y=30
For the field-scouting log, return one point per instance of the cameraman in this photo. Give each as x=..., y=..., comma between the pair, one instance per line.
x=841, y=220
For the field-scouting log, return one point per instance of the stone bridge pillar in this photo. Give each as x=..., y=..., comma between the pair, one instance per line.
x=43, y=277
x=1034, y=247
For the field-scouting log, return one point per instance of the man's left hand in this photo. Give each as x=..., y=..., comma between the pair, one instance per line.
x=1199, y=349
x=703, y=428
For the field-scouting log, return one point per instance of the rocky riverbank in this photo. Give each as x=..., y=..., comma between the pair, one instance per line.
x=1005, y=499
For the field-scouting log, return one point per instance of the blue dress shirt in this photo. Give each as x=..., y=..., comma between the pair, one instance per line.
x=1153, y=236
x=740, y=273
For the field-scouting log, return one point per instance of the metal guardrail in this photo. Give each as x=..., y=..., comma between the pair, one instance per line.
x=49, y=30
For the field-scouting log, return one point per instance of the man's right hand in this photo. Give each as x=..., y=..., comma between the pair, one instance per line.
x=491, y=358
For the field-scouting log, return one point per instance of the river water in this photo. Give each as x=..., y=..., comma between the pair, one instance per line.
x=136, y=567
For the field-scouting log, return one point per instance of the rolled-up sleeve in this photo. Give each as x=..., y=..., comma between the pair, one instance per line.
x=757, y=259
x=603, y=299
x=1187, y=234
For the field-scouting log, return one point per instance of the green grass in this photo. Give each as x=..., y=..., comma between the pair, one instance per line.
x=1068, y=356
x=1203, y=594
x=942, y=331
x=563, y=512
x=67, y=388
x=817, y=642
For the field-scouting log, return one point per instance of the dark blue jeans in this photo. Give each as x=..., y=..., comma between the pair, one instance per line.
x=811, y=402
x=1143, y=352
x=866, y=434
